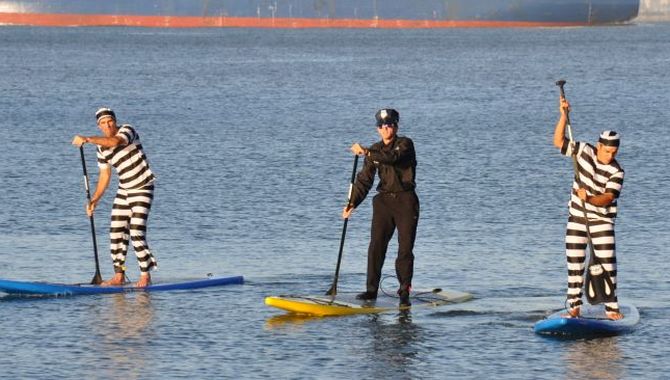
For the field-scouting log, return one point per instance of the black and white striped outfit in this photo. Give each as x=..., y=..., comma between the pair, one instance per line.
x=597, y=178
x=133, y=199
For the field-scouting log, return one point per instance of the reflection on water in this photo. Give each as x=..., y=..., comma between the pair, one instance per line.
x=123, y=327
x=131, y=315
x=394, y=344
x=289, y=321
x=389, y=344
x=594, y=359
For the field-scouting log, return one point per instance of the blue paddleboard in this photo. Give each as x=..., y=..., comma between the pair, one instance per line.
x=592, y=322
x=54, y=289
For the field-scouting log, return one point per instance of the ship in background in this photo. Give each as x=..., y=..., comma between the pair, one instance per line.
x=400, y=14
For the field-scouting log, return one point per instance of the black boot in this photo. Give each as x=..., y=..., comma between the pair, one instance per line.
x=404, y=298
x=367, y=296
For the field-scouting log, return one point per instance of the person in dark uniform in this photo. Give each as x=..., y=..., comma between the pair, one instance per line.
x=396, y=205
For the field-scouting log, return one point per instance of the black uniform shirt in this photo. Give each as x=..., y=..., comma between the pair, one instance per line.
x=396, y=165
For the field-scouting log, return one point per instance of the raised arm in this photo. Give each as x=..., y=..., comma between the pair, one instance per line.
x=559, y=130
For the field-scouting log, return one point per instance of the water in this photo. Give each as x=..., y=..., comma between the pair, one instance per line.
x=248, y=130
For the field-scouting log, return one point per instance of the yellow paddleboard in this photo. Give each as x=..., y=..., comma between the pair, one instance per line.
x=347, y=304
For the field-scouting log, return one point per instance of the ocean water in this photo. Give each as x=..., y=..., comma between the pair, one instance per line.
x=248, y=132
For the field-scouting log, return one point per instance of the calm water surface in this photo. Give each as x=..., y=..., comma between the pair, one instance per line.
x=248, y=130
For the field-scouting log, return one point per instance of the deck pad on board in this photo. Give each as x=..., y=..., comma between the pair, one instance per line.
x=347, y=304
x=56, y=289
x=592, y=321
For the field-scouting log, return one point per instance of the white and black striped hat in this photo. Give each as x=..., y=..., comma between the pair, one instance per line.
x=609, y=138
x=104, y=112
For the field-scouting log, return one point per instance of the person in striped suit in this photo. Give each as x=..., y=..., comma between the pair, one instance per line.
x=120, y=147
x=600, y=182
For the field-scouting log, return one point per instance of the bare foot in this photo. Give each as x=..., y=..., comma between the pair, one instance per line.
x=145, y=280
x=573, y=312
x=118, y=280
x=614, y=315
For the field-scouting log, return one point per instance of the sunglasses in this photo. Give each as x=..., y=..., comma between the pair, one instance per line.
x=386, y=125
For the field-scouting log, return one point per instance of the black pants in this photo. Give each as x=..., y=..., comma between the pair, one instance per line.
x=391, y=211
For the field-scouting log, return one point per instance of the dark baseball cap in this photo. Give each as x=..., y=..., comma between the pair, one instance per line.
x=387, y=116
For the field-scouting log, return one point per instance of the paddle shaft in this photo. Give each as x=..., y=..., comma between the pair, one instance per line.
x=333, y=289
x=594, y=258
x=97, y=278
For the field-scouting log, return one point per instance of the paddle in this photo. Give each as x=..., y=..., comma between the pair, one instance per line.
x=333, y=289
x=598, y=284
x=97, y=278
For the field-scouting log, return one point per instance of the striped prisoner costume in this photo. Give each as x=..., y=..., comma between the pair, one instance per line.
x=132, y=204
x=597, y=178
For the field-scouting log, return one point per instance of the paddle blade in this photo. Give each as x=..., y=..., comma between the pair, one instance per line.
x=97, y=279
x=599, y=287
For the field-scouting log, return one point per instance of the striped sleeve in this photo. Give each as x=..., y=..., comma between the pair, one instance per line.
x=127, y=133
x=614, y=184
x=567, y=150
x=103, y=162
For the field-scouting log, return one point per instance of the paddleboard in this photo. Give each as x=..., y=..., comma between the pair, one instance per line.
x=347, y=304
x=592, y=322
x=25, y=288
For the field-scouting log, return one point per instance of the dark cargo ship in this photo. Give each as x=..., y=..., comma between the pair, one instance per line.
x=318, y=13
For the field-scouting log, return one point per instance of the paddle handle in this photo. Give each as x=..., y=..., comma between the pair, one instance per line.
x=560, y=84
x=97, y=277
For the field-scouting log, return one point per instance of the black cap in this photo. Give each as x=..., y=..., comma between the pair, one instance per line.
x=387, y=116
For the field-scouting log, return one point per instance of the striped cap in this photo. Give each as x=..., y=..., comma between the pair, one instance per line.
x=609, y=138
x=103, y=112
